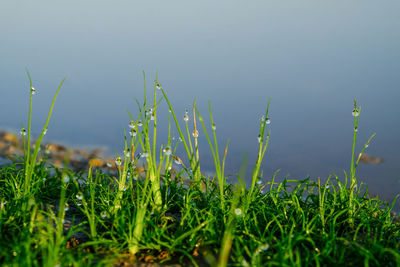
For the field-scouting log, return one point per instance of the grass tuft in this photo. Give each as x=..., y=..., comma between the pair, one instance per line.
x=159, y=207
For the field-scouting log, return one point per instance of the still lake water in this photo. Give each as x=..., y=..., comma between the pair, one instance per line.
x=311, y=57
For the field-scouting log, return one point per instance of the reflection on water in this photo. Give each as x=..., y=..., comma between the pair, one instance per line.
x=311, y=63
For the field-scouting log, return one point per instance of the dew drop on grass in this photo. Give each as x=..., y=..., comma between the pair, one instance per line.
x=177, y=162
x=186, y=116
x=132, y=132
x=356, y=129
x=259, y=182
x=268, y=121
x=238, y=212
x=66, y=207
x=144, y=155
x=103, y=214
x=79, y=196
x=152, y=117
x=214, y=127
x=23, y=132
x=259, y=138
x=45, y=131
x=355, y=112
x=167, y=151
x=132, y=124
x=118, y=161
x=108, y=164
x=195, y=134
x=140, y=124
x=158, y=86
x=66, y=178
x=33, y=90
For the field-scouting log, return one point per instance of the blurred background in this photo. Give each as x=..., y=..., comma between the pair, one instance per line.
x=312, y=58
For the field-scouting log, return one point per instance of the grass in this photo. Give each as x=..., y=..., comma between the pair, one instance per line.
x=173, y=214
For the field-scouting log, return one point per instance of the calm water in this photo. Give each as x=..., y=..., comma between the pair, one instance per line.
x=311, y=57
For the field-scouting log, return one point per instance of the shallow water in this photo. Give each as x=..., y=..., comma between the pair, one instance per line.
x=311, y=58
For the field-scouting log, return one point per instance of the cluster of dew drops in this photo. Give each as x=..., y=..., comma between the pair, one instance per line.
x=266, y=121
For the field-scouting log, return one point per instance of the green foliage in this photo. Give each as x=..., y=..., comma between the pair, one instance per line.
x=51, y=216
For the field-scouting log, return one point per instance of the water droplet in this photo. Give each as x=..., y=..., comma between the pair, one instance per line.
x=132, y=124
x=33, y=90
x=355, y=112
x=66, y=207
x=167, y=151
x=79, y=196
x=109, y=165
x=238, y=212
x=186, y=116
x=177, y=162
x=259, y=138
x=144, y=155
x=268, y=121
x=127, y=153
x=103, y=214
x=259, y=182
x=45, y=131
x=158, y=86
x=264, y=247
x=66, y=178
x=152, y=117
x=139, y=123
x=132, y=132
x=195, y=134
x=78, y=203
x=22, y=132
x=118, y=161
x=214, y=127
x=356, y=129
